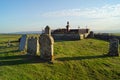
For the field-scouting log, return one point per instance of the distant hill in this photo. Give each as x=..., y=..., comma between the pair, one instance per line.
x=107, y=31
x=28, y=32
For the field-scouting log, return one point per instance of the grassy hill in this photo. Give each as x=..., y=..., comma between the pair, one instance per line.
x=74, y=60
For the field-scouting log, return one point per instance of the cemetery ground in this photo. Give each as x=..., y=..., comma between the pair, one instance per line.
x=74, y=60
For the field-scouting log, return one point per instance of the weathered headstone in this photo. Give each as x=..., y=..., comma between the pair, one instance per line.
x=47, y=30
x=114, y=47
x=22, y=44
x=46, y=47
x=32, y=46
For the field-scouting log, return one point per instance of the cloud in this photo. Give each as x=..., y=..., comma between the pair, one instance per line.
x=95, y=12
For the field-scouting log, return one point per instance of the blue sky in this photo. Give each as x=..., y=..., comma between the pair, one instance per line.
x=34, y=15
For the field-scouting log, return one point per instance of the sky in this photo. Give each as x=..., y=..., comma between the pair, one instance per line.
x=35, y=15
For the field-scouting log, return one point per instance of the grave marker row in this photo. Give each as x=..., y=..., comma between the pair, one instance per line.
x=46, y=45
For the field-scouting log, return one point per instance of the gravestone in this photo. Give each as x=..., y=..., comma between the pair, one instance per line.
x=22, y=44
x=46, y=47
x=32, y=46
x=47, y=30
x=114, y=47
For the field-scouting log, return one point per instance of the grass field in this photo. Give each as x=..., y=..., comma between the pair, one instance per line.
x=74, y=60
x=116, y=34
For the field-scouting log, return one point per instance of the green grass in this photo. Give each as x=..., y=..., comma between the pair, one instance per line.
x=74, y=60
x=116, y=34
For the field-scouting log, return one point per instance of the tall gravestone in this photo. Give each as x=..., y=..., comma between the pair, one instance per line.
x=114, y=47
x=22, y=44
x=46, y=45
x=32, y=46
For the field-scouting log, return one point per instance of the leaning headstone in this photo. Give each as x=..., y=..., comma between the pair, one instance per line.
x=46, y=47
x=22, y=44
x=32, y=46
x=47, y=30
x=114, y=47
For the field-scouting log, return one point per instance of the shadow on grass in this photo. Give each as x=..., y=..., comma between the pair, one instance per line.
x=20, y=59
x=81, y=57
x=12, y=51
x=65, y=40
x=11, y=46
x=13, y=41
x=27, y=59
x=3, y=47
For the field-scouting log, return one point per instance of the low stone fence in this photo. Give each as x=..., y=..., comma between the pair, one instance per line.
x=67, y=36
x=105, y=36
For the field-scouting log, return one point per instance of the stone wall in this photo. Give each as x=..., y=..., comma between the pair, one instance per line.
x=58, y=36
x=70, y=36
x=67, y=36
x=105, y=36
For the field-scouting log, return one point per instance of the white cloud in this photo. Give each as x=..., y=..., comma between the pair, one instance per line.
x=97, y=18
x=101, y=12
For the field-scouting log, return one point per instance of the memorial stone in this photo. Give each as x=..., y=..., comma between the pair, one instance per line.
x=33, y=46
x=22, y=44
x=46, y=47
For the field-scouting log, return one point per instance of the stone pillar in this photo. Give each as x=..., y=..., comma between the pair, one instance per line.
x=33, y=46
x=47, y=30
x=46, y=47
x=23, y=41
x=114, y=47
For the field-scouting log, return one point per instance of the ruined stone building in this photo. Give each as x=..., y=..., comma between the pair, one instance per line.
x=70, y=34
